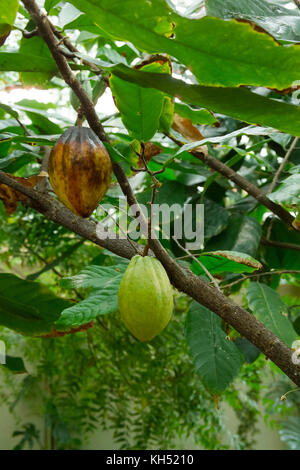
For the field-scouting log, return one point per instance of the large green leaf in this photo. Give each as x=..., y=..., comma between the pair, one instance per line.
x=288, y=193
x=217, y=359
x=26, y=62
x=279, y=21
x=28, y=307
x=199, y=44
x=37, y=48
x=218, y=262
x=268, y=307
x=239, y=103
x=105, y=281
x=242, y=234
x=140, y=107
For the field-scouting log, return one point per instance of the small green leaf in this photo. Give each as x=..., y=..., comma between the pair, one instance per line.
x=216, y=358
x=268, y=307
x=105, y=281
x=95, y=277
x=197, y=116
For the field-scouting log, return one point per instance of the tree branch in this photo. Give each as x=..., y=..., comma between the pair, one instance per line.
x=244, y=184
x=282, y=165
x=245, y=323
x=288, y=246
x=55, y=211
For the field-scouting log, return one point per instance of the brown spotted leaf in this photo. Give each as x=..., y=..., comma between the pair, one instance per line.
x=218, y=262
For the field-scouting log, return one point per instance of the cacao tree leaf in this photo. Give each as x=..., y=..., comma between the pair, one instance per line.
x=242, y=235
x=9, y=110
x=217, y=359
x=268, y=307
x=218, y=262
x=239, y=103
x=94, y=277
x=288, y=193
x=215, y=218
x=33, y=311
x=26, y=62
x=227, y=138
x=100, y=302
x=36, y=47
x=197, y=116
x=279, y=21
x=199, y=44
x=140, y=108
x=105, y=281
x=26, y=139
x=248, y=349
x=167, y=115
x=8, y=12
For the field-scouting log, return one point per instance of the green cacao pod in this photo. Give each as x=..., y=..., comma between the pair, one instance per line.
x=79, y=170
x=145, y=298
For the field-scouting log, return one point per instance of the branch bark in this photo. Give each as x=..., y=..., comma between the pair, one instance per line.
x=245, y=323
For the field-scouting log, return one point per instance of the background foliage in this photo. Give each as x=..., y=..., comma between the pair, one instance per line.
x=149, y=394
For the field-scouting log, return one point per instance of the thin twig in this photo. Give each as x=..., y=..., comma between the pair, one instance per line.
x=288, y=246
x=119, y=227
x=26, y=131
x=267, y=273
x=155, y=185
x=30, y=34
x=198, y=262
x=282, y=165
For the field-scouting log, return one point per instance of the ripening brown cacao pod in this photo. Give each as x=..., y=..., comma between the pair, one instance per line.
x=79, y=170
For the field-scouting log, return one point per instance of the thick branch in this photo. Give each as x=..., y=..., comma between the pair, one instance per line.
x=245, y=323
x=53, y=210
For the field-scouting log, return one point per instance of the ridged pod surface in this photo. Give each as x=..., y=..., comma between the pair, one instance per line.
x=145, y=297
x=79, y=170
